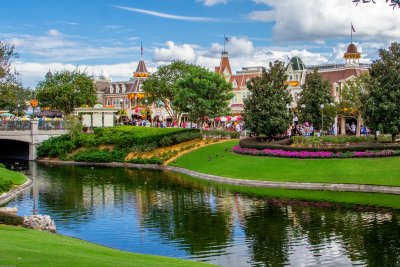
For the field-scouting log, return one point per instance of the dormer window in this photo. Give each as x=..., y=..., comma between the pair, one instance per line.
x=234, y=84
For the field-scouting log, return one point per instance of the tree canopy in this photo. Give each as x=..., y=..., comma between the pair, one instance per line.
x=161, y=86
x=11, y=91
x=266, y=108
x=66, y=90
x=315, y=103
x=352, y=97
x=392, y=3
x=202, y=93
x=382, y=104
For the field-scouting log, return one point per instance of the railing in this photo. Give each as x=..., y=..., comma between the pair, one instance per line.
x=15, y=126
x=50, y=125
x=27, y=125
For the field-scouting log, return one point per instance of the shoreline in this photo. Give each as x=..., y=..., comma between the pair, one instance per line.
x=361, y=188
x=15, y=192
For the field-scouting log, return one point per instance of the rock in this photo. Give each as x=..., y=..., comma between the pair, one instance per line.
x=10, y=210
x=40, y=222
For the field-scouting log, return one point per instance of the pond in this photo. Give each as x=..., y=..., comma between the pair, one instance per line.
x=168, y=214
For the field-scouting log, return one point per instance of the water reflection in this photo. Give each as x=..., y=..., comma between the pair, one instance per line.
x=164, y=213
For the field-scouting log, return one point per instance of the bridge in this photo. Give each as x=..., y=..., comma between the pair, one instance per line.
x=19, y=139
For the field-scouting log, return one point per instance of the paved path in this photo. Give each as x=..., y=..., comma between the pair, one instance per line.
x=252, y=183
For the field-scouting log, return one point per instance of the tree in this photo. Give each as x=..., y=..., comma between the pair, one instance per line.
x=11, y=90
x=161, y=86
x=66, y=90
x=316, y=101
x=202, y=93
x=392, y=3
x=382, y=103
x=351, y=99
x=266, y=109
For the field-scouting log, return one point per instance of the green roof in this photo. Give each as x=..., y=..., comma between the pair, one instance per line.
x=297, y=63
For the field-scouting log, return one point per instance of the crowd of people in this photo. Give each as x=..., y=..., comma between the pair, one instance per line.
x=307, y=129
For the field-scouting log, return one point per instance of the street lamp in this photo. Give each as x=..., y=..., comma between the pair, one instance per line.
x=322, y=114
x=18, y=110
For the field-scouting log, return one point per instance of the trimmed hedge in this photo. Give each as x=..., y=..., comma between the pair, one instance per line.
x=253, y=142
x=221, y=134
x=11, y=219
x=337, y=140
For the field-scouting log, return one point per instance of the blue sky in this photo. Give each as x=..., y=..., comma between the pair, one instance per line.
x=105, y=36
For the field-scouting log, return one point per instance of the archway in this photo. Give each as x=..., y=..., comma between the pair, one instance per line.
x=14, y=150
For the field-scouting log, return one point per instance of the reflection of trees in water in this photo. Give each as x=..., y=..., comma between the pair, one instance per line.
x=265, y=228
x=200, y=216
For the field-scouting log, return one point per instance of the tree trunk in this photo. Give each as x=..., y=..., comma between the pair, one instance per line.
x=393, y=137
x=358, y=131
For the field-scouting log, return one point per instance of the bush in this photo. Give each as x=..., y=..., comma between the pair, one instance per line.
x=10, y=219
x=96, y=155
x=179, y=138
x=56, y=146
x=5, y=184
x=221, y=134
x=152, y=160
x=337, y=140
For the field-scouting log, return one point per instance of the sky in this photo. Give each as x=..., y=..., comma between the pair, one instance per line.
x=105, y=36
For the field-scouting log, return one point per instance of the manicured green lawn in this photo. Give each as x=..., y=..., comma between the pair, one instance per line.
x=215, y=160
x=16, y=178
x=25, y=247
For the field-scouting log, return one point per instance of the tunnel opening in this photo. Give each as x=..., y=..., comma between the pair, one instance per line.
x=14, y=150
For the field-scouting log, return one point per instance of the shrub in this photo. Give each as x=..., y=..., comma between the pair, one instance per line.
x=152, y=160
x=221, y=134
x=2, y=165
x=5, y=184
x=56, y=146
x=10, y=219
x=96, y=155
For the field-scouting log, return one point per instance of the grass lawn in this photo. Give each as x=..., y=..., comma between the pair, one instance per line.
x=25, y=247
x=215, y=160
x=16, y=178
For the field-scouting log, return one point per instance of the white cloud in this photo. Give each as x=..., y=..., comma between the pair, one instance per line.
x=236, y=46
x=320, y=19
x=53, y=32
x=175, y=52
x=265, y=15
x=166, y=16
x=64, y=49
x=213, y=2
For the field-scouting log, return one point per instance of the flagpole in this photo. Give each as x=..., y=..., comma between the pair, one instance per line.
x=351, y=33
x=224, y=42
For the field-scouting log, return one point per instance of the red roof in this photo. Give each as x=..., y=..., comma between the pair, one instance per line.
x=338, y=75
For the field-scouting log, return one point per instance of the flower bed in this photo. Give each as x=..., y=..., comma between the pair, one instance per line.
x=312, y=154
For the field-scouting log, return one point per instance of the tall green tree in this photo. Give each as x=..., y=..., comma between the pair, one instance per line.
x=202, y=93
x=161, y=86
x=266, y=109
x=351, y=100
x=66, y=90
x=11, y=91
x=315, y=103
x=382, y=105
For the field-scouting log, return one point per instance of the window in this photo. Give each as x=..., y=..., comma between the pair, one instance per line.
x=234, y=99
x=112, y=89
x=108, y=102
x=290, y=78
x=123, y=88
x=234, y=84
x=297, y=77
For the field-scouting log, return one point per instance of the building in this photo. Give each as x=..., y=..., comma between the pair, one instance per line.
x=238, y=80
x=338, y=75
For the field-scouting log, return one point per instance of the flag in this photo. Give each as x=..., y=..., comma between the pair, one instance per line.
x=141, y=49
x=227, y=39
x=352, y=28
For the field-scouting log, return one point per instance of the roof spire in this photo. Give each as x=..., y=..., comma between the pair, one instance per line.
x=141, y=49
x=226, y=39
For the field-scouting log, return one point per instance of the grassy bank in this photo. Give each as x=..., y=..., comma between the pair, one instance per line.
x=216, y=160
x=25, y=247
x=9, y=178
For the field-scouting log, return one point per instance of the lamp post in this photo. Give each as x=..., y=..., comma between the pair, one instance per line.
x=18, y=110
x=322, y=115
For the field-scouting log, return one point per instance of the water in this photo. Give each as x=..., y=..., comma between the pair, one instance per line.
x=163, y=213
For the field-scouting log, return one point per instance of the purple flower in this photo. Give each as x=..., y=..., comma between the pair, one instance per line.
x=309, y=154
